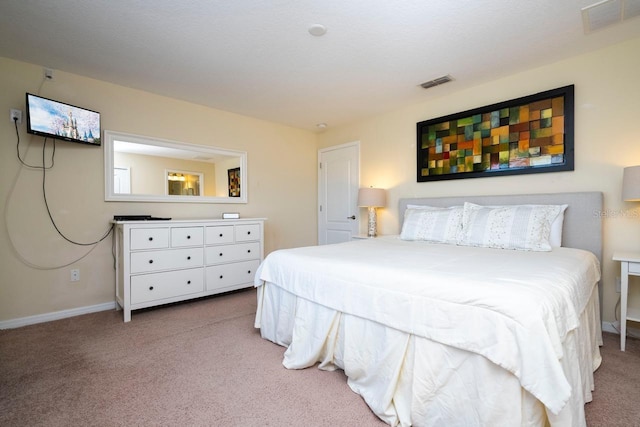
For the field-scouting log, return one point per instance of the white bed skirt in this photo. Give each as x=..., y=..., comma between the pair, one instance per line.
x=409, y=380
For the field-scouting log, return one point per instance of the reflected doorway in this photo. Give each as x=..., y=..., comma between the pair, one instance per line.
x=184, y=183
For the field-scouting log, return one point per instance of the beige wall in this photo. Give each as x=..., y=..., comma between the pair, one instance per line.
x=282, y=179
x=607, y=114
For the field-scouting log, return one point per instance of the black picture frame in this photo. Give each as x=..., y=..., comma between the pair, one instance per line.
x=531, y=134
x=234, y=182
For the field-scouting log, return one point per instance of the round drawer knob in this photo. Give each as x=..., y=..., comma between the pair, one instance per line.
x=150, y=261
x=188, y=237
x=221, y=276
x=220, y=234
x=188, y=282
x=188, y=257
x=220, y=253
x=150, y=288
x=150, y=239
x=248, y=232
x=249, y=271
x=248, y=251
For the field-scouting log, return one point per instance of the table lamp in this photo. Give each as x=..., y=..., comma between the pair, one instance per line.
x=372, y=198
x=631, y=184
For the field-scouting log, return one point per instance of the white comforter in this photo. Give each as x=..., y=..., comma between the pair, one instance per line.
x=515, y=308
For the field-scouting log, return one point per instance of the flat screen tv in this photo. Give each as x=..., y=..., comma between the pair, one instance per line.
x=53, y=119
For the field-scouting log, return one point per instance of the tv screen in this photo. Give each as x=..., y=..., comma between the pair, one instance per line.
x=53, y=119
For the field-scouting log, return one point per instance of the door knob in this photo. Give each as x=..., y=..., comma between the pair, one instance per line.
x=351, y=217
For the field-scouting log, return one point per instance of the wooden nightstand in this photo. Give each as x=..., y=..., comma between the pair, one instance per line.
x=629, y=266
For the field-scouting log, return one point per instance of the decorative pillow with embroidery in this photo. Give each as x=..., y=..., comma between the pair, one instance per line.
x=437, y=225
x=521, y=227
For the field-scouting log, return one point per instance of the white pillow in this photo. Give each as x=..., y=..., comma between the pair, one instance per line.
x=437, y=225
x=555, y=238
x=522, y=227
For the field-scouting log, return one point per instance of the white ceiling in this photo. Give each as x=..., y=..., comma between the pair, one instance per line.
x=257, y=58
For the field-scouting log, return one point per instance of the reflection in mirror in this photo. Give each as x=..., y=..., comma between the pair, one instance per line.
x=139, y=168
x=183, y=183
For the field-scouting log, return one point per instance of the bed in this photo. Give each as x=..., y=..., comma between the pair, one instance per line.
x=455, y=321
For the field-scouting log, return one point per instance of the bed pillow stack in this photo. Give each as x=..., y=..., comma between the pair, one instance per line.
x=520, y=227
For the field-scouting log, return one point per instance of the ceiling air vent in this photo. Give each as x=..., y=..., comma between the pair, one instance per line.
x=608, y=12
x=436, y=82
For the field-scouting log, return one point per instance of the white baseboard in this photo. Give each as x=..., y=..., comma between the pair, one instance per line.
x=609, y=327
x=614, y=328
x=56, y=315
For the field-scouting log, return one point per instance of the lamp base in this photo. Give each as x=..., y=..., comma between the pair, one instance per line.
x=371, y=231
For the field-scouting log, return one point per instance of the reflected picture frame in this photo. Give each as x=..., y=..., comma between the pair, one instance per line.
x=234, y=182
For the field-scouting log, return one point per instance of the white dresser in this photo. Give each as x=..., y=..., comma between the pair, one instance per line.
x=159, y=262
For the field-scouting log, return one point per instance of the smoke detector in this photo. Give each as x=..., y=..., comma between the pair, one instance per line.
x=317, y=30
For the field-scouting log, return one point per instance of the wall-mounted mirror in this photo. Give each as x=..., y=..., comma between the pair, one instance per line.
x=145, y=169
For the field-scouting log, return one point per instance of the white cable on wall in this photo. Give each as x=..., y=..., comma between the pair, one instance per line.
x=19, y=255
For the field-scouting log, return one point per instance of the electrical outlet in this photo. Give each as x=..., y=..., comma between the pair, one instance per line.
x=618, y=285
x=16, y=114
x=75, y=275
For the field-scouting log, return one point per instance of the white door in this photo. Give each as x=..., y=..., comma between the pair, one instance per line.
x=121, y=180
x=338, y=182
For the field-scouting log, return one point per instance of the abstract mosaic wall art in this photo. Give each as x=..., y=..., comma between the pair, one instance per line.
x=531, y=134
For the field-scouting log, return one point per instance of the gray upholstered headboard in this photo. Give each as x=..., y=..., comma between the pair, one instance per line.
x=582, y=219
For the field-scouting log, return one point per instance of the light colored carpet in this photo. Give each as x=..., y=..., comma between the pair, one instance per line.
x=202, y=363
x=196, y=364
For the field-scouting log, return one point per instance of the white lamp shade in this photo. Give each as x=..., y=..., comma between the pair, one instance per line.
x=372, y=197
x=631, y=184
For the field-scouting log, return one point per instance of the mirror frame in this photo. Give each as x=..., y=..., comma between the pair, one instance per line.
x=111, y=196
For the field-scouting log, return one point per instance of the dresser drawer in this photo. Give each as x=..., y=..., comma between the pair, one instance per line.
x=157, y=286
x=149, y=261
x=232, y=253
x=219, y=234
x=149, y=238
x=220, y=276
x=186, y=236
x=247, y=232
x=634, y=268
